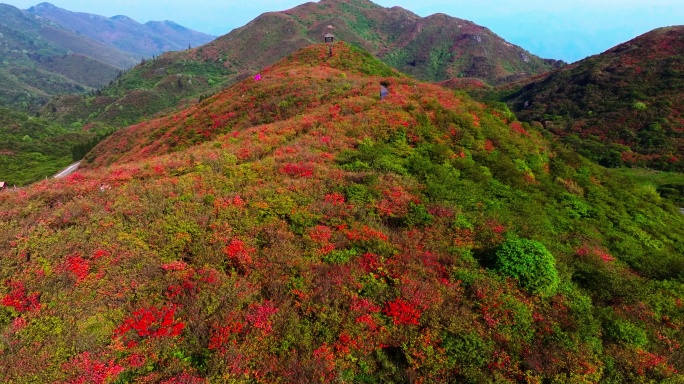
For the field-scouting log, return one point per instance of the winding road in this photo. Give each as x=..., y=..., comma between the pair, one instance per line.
x=68, y=171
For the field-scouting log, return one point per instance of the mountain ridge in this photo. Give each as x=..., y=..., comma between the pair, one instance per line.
x=122, y=32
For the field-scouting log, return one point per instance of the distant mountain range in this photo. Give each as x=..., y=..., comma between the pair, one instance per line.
x=124, y=33
x=41, y=57
x=623, y=106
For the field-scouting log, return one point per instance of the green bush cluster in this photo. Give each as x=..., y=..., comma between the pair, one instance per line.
x=530, y=263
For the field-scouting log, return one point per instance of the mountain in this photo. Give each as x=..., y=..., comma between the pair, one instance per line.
x=438, y=47
x=433, y=48
x=299, y=228
x=619, y=107
x=141, y=40
x=41, y=59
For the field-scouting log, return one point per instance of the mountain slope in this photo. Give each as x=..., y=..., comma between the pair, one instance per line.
x=42, y=59
x=124, y=33
x=435, y=48
x=269, y=234
x=619, y=107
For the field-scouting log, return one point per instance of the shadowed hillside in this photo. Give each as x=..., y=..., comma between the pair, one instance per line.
x=298, y=228
x=620, y=107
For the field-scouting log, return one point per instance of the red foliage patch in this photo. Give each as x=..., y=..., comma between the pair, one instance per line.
x=334, y=198
x=92, y=371
x=396, y=202
x=19, y=299
x=298, y=170
x=151, y=323
x=366, y=233
x=599, y=252
x=516, y=126
x=77, y=266
x=259, y=315
x=320, y=233
x=239, y=254
x=402, y=312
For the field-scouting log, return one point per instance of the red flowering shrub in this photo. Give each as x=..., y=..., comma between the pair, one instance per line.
x=239, y=254
x=402, y=312
x=225, y=334
x=298, y=170
x=324, y=363
x=320, y=233
x=184, y=378
x=77, y=266
x=149, y=323
x=92, y=371
x=396, y=202
x=334, y=198
x=259, y=315
x=599, y=252
x=19, y=299
x=516, y=126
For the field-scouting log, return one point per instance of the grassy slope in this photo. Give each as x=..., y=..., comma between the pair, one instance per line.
x=299, y=229
x=620, y=107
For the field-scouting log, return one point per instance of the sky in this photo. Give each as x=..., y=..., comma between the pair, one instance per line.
x=568, y=30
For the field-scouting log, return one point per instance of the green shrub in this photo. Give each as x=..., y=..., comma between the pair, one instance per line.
x=625, y=331
x=339, y=256
x=530, y=263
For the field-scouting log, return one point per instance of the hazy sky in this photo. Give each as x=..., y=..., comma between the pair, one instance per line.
x=565, y=29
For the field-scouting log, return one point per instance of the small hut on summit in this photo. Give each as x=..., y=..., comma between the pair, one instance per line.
x=329, y=38
x=3, y=185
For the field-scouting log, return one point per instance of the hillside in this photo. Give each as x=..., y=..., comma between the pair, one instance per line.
x=140, y=40
x=32, y=148
x=297, y=228
x=41, y=59
x=435, y=48
x=622, y=107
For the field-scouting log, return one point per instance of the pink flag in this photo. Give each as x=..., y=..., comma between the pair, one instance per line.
x=257, y=77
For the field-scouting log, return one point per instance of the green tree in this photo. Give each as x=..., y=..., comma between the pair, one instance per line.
x=530, y=263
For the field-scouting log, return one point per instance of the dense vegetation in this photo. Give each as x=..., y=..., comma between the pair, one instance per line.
x=33, y=148
x=300, y=229
x=622, y=107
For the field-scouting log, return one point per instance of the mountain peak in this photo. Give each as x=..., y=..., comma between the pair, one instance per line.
x=45, y=5
x=123, y=18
